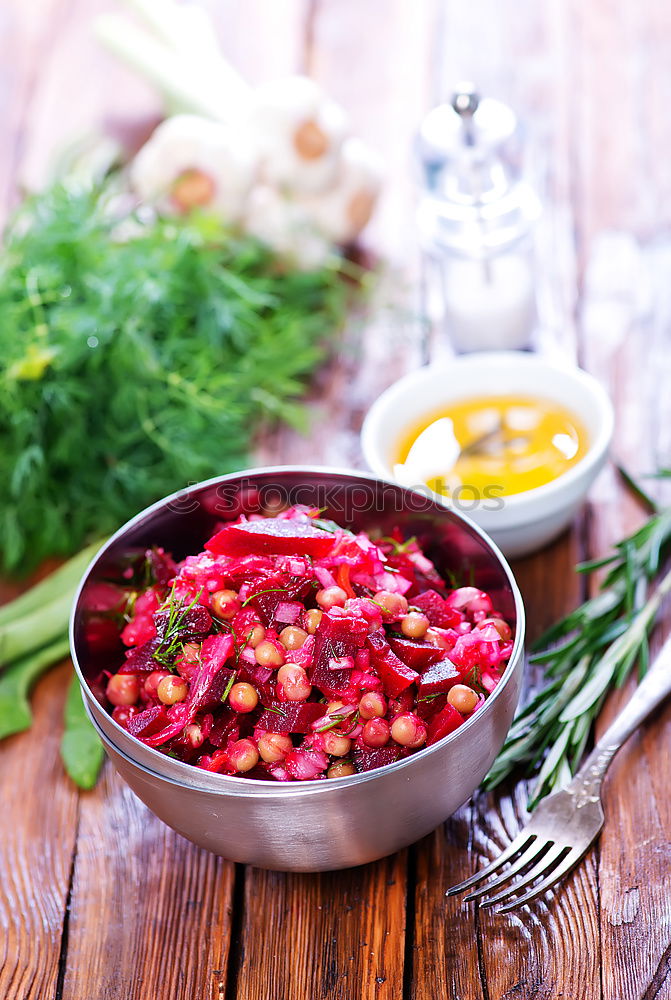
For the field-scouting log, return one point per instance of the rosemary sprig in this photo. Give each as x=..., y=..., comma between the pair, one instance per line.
x=586, y=655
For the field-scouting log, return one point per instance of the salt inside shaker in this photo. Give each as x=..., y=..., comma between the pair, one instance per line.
x=476, y=218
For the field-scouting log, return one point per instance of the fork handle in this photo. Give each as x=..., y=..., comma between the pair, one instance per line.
x=653, y=689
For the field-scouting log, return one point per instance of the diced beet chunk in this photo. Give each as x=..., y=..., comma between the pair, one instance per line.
x=430, y=705
x=140, y=660
x=212, y=695
x=416, y=653
x=149, y=722
x=443, y=724
x=439, y=678
x=191, y=623
x=224, y=728
x=214, y=652
x=290, y=717
x=436, y=609
x=367, y=759
x=337, y=636
x=291, y=536
x=393, y=673
x=275, y=593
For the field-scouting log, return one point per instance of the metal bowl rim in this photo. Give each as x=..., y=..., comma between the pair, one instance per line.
x=257, y=786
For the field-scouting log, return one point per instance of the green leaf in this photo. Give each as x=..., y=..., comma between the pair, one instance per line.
x=17, y=681
x=81, y=750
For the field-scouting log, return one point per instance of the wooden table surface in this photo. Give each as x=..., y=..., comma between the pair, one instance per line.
x=98, y=899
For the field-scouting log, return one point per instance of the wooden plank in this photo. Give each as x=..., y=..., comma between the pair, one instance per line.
x=25, y=35
x=625, y=316
x=480, y=954
x=551, y=949
x=39, y=824
x=264, y=40
x=127, y=863
x=80, y=92
x=338, y=934
x=149, y=911
x=343, y=935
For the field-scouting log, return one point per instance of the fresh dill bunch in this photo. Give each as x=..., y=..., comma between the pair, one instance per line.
x=136, y=357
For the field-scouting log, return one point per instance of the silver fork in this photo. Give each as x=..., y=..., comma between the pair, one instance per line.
x=565, y=824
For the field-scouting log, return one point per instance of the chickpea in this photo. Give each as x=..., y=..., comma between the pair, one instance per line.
x=123, y=689
x=372, y=705
x=225, y=604
x=193, y=735
x=336, y=744
x=268, y=655
x=294, y=682
x=172, y=689
x=243, y=697
x=376, y=733
x=243, y=755
x=343, y=769
x=256, y=636
x=463, y=698
x=331, y=597
x=292, y=637
x=395, y=605
x=414, y=625
x=437, y=637
x=312, y=620
x=274, y=747
x=190, y=652
x=408, y=730
x=152, y=682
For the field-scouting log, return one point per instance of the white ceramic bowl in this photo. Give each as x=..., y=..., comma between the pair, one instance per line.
x=524, y=522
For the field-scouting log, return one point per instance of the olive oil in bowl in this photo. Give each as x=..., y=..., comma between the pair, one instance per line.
x=512, y=442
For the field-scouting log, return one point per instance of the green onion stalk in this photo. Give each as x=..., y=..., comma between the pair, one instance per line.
x=34, y=637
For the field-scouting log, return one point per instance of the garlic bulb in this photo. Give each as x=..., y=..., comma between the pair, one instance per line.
x=343, y=210
x=191, y=162
x=300, y=132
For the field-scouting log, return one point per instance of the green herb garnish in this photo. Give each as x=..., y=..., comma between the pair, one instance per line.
x=170, y=340
x=269, y=590
x=587, y=655
x=229, y=685
x=171, y=640
x=277, y=711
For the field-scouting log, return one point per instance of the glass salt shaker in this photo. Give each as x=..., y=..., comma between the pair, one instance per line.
x=476, y=218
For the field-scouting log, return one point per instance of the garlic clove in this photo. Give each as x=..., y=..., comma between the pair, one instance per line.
x=300, y=132
x=192, y=162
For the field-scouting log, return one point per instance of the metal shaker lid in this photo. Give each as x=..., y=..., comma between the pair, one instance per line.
x=470, y=152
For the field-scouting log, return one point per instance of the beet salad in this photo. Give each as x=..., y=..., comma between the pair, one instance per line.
x=292, y=649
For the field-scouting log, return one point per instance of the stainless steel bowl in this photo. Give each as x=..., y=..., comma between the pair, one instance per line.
x=311, y=826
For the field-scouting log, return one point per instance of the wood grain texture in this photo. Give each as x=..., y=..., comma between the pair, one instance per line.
x=38, y=833
x=334, y=936
x=548, y=950
x=343, y=935
x=622, y=293
x=150, y=914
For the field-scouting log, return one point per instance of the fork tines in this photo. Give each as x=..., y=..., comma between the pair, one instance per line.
x=531, y=856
